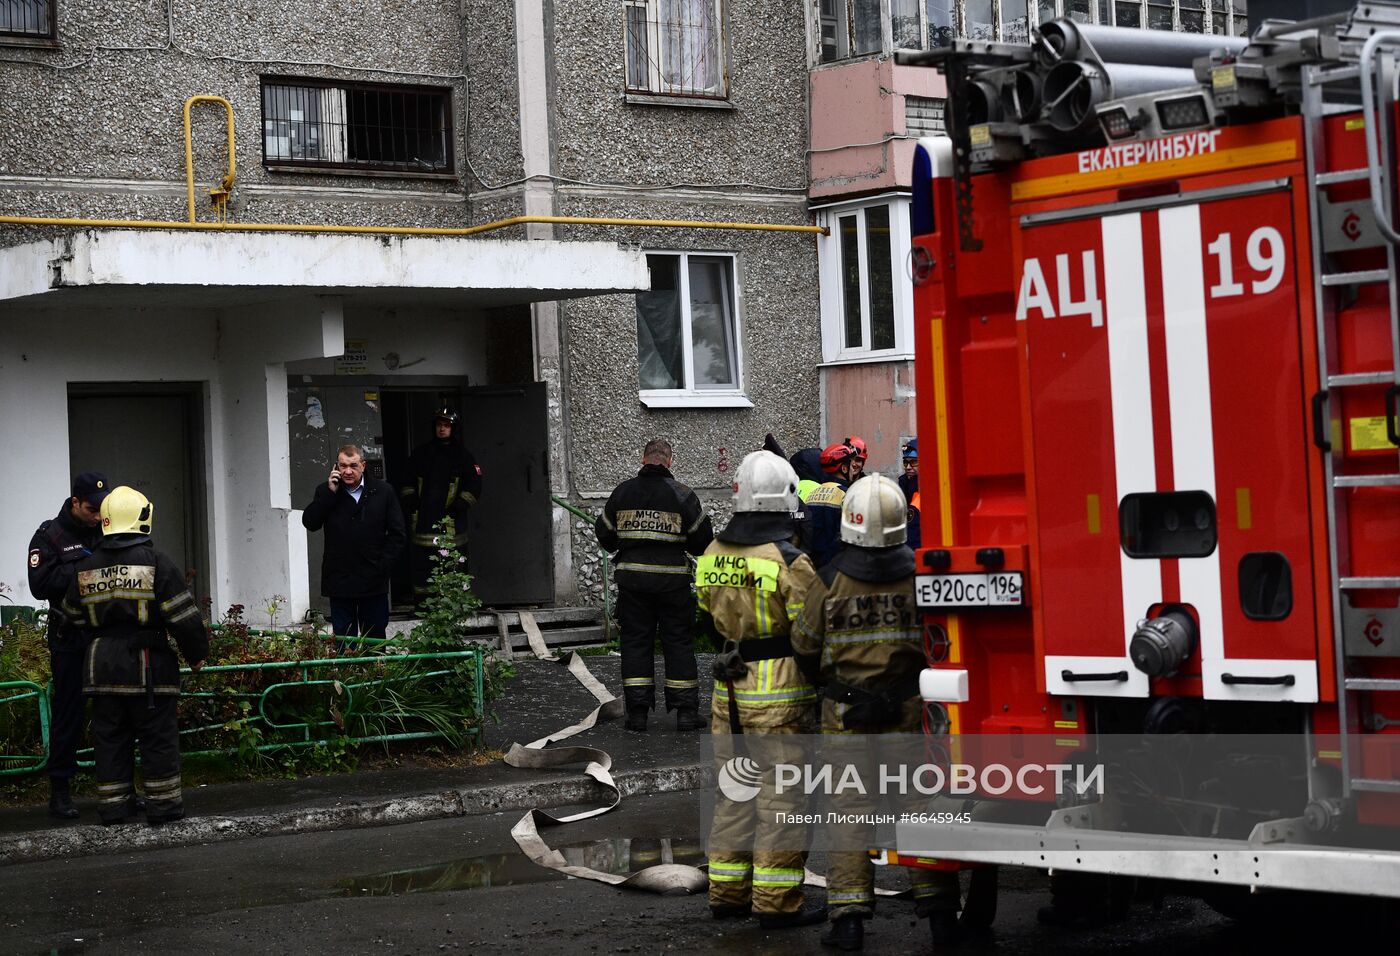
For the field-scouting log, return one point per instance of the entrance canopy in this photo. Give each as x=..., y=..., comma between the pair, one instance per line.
x=113, y=267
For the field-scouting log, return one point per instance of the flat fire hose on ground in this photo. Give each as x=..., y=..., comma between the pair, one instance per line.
x=665, y=878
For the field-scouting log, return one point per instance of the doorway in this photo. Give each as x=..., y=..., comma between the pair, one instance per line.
x=148, y=436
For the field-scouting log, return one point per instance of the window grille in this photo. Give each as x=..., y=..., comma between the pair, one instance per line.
x=356, y=126
x=31, y=19
x=674, y=48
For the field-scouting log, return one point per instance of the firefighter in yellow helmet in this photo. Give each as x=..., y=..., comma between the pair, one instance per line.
x=131, y=600
x=870, y=677
x=751, y=582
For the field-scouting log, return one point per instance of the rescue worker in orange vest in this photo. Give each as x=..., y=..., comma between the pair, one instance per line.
x=909, y=484
x=842, y=463
x=870, y=677
x=750, y=584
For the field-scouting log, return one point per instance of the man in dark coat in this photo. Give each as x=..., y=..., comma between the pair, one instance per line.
x=653, y=521
x=132, y=601
x=54, y=553
x=364, y=537
x=443, y=481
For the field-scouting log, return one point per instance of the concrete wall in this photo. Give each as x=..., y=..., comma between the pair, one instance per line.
x=245, y=408
x=743, y=163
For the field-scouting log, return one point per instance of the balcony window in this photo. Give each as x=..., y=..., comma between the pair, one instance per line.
x=356, y=127
x=674, y=48
x=852, y=28
x=866, y=313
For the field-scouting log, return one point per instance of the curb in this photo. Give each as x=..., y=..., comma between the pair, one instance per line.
x=92, y=840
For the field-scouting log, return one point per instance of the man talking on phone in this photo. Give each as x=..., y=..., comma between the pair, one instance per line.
x=364, y=537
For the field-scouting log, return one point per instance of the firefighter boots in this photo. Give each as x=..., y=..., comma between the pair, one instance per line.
x=61, y=800
x=731, y=911
x=687, y=718
x=846, y=933
x=637, y=719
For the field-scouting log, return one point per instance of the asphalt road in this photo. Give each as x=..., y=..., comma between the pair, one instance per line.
x=460, y=886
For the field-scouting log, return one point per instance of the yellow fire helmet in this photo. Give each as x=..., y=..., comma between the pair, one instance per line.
x=127, y=511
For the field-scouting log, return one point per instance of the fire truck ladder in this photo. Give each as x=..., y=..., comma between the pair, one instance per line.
x=1328, y=89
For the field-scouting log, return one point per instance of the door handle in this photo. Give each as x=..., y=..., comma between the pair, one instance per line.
x=1070, y=676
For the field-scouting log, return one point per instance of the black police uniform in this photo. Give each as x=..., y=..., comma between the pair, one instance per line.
x=652, y=521
x=54, y=553
x=443, y=480
x=128, y=597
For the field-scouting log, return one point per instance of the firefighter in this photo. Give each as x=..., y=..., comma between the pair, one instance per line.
x=443, y=480
x=870, y=676
x=909, y=484
x=129, y=598
x=750, y=584
x=653, y=521
x=841, y=463
x=54, y=551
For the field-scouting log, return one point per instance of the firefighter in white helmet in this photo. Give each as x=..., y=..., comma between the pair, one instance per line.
x=751, y=581
x=131, y=600
x=859, y=635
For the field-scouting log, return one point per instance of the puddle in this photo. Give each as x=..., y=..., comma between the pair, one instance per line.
x=620, y=855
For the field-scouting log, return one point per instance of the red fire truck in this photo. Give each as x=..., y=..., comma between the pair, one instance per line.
x=1158, y=363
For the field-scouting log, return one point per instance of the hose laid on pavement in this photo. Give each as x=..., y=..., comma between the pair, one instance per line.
x=664, y=878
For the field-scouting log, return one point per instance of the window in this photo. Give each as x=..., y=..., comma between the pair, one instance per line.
x=354, y=126
x=851, y=28
x=866, y=308
x=29, y=19
x=675, y=48
x=688, y=332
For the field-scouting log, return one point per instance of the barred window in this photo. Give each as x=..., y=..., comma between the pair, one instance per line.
x=675, y=48
x=32, y=19
x=356, y=126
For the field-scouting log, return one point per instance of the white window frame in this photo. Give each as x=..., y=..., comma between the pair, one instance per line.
x=832, y=281
x=690, y=396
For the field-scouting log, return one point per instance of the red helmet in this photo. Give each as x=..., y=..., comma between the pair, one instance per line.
x=859, y=445
x=834, y=456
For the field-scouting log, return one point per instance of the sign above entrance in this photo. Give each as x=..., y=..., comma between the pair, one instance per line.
x=355, y=361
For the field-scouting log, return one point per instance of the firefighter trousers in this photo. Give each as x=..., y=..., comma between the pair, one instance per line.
x=758, y=852
x=118, y=720
x=642, y=618
x=850, y=828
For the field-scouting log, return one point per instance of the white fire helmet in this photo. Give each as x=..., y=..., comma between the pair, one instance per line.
x=874, y=513
x=126, y=510
x=765, y=482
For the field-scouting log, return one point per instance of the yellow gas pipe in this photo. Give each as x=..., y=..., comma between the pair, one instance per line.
x=220, y=194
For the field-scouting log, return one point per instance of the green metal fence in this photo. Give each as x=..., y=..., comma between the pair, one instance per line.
x=267, y=706
x=608, y=627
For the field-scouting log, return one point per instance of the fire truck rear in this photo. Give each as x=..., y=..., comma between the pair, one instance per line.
x=1157, y=366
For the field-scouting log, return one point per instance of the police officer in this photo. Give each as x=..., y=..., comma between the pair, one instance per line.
x=870, y=674
x=54, y=552
x=443, y=480
x=128, y=597
x=842, y=464
x=751, y=583
x=652, y=521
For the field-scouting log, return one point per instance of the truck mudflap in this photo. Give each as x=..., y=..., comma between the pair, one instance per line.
x=1276, y=855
